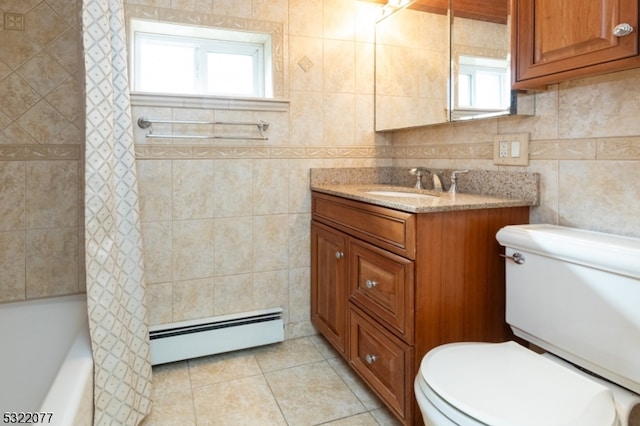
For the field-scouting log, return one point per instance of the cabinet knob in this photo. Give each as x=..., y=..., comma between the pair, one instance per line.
x=339, y=255
x=622, y=30
x=370, y=283
x=370, y=358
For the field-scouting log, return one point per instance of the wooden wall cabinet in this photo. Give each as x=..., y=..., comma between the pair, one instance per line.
x=555, y=41
x=405, y=284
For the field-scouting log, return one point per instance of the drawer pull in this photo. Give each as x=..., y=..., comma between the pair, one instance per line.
x=370, y=283
x=339, y=255
x=370, y=358
x=622, y=30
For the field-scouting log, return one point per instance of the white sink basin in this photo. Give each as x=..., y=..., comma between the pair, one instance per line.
x=400, y=194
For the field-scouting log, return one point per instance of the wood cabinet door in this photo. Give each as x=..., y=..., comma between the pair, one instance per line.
x=556, y=40
x=329, y=289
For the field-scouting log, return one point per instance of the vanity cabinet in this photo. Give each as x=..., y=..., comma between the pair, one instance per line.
x=388, y=285
x=561, y=40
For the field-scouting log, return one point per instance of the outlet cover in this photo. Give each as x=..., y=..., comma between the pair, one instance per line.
x=506, y=154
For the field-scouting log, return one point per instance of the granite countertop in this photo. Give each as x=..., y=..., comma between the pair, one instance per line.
x=435, y=202
x=494, y=190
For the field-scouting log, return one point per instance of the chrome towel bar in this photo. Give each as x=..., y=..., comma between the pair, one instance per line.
x=145, y=123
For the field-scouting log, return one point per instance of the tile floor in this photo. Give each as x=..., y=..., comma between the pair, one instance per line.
x=297, y=382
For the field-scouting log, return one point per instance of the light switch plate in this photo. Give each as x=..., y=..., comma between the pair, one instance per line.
x=508, y=153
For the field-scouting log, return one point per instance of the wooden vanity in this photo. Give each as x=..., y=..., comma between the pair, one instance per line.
x=387, y=285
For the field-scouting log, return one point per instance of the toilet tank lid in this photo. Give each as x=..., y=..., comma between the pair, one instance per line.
x=613, y=253
x=504, y=384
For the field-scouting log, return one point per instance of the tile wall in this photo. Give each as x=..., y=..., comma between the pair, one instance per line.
x=226, y=223
x=41, y=135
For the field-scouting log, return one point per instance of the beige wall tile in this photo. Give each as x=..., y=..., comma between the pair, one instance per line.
x=157, y=238
x=305, y=18
x=193, y=299
x=307, y=112
x=299, y=247
x=159, y=301
x=270, y=243
x=339, y=61
x=233, y=294
x=12, y=266
x=594, y=195
x=271, y=290
x=299, y=295
x=193, y=189
x=155, y=187
x=600, y=106
x=51, y=262
x=12, y=193
x=306, y=63
x=338, y=19
x=233, y=183
x=192, y=244
x=51, y=196
x=270, y=187
x=338, y=120
x=233, y=246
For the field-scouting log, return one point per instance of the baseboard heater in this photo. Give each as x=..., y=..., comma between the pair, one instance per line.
x=214, y=335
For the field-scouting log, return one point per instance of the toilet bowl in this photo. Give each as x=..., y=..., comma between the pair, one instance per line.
x=572, y=293
x=505, y=384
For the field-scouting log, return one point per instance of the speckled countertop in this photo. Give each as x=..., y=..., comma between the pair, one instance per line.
x=478, y=189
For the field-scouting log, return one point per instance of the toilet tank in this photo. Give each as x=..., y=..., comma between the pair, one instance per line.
x=576, y=294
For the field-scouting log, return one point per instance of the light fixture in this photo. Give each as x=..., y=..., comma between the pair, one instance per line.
x=393, y=6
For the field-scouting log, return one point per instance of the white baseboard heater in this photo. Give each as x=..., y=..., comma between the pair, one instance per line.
x=208, y=336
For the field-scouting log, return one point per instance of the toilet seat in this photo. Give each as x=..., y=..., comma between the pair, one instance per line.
x=506, y=384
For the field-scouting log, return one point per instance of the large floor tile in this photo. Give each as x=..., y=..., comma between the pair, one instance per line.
x=223, y=367
x=172, y=377
x=312, y=394
x=357, y=386
x=171, y=409
x=242, y=402
x=289, y=353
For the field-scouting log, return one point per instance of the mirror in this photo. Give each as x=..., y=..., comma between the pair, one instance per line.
x=445, y=60
x=411, y=69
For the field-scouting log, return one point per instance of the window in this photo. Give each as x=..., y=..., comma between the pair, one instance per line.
x=483, y=83
x=182, y=59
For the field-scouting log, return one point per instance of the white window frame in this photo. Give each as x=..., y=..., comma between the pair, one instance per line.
x=204, y=40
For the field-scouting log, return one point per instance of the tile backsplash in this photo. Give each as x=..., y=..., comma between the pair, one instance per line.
x=226, y=223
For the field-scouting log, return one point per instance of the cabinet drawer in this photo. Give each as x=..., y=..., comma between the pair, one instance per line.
x=390, y=229
x=383, y=361
x=382, y=284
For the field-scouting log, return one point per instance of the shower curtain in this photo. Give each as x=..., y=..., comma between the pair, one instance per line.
x=118, y=318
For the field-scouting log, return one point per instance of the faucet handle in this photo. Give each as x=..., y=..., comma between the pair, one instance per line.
x=454, y=180
x=455, y=173
x=418, y=173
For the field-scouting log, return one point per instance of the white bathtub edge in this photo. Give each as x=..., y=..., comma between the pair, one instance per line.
x=69, y=400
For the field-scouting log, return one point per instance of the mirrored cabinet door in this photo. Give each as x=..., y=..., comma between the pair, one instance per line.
x=412, y=68
x=438, y=61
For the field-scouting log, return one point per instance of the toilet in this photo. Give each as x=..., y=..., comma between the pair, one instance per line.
x=575, y=296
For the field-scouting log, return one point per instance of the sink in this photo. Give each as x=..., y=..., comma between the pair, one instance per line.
x=400, y=194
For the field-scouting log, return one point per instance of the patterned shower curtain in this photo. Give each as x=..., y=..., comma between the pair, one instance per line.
x=118, y=318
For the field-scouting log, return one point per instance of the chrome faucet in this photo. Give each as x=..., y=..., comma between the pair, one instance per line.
x=437, y=183
x=454, y=180
x=418, y=172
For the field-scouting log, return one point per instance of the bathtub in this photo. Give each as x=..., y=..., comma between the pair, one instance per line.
x=46, y=366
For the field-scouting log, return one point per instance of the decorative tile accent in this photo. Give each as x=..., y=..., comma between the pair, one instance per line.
x=14, y=21
x=305, y=63
x=618, y=149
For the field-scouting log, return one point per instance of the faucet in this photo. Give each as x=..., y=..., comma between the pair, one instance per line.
x=437, y=183
x=418, y=172
x=454, y=179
